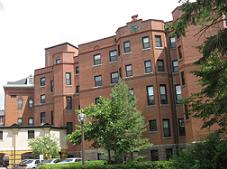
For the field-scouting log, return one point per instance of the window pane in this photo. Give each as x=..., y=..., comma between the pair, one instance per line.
x=98, y=80
x=158, y=40
x=68, y=78
x=97, y=59
x=127, y=47
x=20, y=103
x=146, y=42
x=128, y=70
x=153, y=125
x=113, y=55
x=160, y=64
x=148, y=67
x=172, y=42
x=42, y=81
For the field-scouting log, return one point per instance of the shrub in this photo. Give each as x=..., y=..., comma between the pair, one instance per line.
x=209, y=154
x=100, y=165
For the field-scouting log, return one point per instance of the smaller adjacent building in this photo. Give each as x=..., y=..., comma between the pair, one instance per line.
x=14, y=141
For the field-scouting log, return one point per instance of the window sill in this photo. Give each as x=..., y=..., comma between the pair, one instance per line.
x=127, y=53
x=153, y=132
x=95, y=87
x=42, y=86
x=167, y=138
x=112, y=62
x=164, y=105
x=149, y=73
x=161, y=72
x=97, y=65
x=151, y=105
x=128, y=77
x=68, y=85
x=159, y=48
x=146, y=49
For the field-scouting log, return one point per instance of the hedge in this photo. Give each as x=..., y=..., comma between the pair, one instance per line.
x=101, y=165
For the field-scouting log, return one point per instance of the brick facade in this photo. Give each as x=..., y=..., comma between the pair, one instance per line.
x=140, y=53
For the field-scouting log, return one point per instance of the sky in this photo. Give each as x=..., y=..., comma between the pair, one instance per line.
x=29, y=26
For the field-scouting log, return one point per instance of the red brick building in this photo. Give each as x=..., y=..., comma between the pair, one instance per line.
x=141, y=53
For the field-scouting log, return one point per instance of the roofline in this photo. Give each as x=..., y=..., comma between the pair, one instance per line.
x=30, y=127
x=158, y=20
x=97, y=40
x=18, y=86
x=65, y=43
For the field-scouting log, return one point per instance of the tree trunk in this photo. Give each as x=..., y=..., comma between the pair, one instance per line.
x=109, y=157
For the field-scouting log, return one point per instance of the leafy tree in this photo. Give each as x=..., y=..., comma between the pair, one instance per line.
x=114, y=124
x=210, y=103
x=45, y=145
x=209, y=154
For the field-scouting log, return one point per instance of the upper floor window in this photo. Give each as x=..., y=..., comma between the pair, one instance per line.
x=153, y=125
x=1, y=135
x=97, y=59
x=182, y=78
x=69, y=126
x=113, y=55
x=42, y=117
x=42, y=81
x=20, y=121
x=166, y=128
x=57, y=60
x=52, y=85
x=179, y=52
x=175, y=66
x=68, y=79
x=31, y=134
x=114, y=77
x=161, y=66
x=77, y=89
x=30, y=121
x=20, y=103
x=98, y=80
x=150, y=95
x=69, y=102
x=148, y=67
x=146, y=42
x=181, y=127
x=43, y=99
x=158, y=41
x=76, y=69
x=128, y=70
x=30, y=102
x=172, y=41
x=163, y=94
x=178, y=93
x=131, y=91
x=127, y=46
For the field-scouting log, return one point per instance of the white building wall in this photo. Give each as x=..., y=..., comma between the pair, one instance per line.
x=21, y=137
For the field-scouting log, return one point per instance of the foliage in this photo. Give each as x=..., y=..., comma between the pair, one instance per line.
x=143, y=165
x=114, y=124
x=210, y=154
x=209, y=103
x=46, y=145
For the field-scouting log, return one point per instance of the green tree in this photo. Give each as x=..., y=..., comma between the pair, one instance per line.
x=46, y=145
x=209, y=154
x=114, y=124
x=210, y=103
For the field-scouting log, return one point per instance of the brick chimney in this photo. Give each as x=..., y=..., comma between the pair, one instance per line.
x=134, y=17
